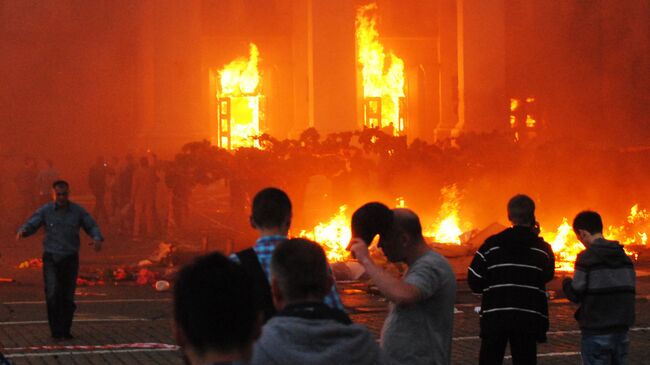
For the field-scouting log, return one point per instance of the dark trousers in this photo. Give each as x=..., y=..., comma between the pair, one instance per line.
x=60, y=278
x=523, y=348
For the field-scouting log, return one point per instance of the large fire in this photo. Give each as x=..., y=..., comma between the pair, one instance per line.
x=335, y=234
x=240, y=102
x=383, y=79
x=632, y=233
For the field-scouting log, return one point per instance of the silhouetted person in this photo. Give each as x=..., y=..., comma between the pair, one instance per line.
x=179, y=184
x=46, y=177
x=215, y=319
x=604, y=283
x=62, y=220
x=418, y=329
x=27, y=186
x=511, y=270
x=97, y=183
x=305, y=330
x=123, y=188
x=143, y=197
x=112, y=187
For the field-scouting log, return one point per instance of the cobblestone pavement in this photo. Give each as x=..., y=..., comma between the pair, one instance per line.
x=132, y=325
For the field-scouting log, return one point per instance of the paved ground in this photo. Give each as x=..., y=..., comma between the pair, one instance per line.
x=128, y=324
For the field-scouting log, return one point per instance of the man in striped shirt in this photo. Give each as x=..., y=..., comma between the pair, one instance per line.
x=510, y=270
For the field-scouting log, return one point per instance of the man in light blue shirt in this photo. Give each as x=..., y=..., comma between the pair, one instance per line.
x=62, y=220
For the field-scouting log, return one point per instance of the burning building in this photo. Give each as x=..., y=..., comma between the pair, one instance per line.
x=240, y=103
x=382, y=77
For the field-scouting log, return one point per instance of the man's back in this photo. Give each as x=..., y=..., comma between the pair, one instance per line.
x=421, y=333
x=290, y=339
x=510, y=270
x=604, y=284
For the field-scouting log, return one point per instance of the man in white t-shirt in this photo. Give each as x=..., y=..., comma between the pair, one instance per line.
x=418, y=329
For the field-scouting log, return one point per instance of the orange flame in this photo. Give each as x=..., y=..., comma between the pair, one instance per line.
x=380, y=78
x=566, y=246
x=240, y=80
x=334, y=235
x=447, y=227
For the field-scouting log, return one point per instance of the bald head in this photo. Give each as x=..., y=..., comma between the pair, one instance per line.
x=406, y=221
x=404, y=236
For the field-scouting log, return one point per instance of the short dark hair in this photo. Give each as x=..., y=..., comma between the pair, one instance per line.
x=300, y=267
x=271, y=208
x=371, y=219
x=60, y=183
x=521, y=210
x=214, y=305
x=588, y=220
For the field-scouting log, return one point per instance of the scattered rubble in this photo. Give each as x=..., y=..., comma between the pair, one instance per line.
x=31, y=263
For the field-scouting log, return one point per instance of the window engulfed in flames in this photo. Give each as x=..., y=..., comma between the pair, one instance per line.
x=240, y=102
x=383, y=77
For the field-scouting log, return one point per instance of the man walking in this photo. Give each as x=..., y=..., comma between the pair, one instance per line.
x=604, y=284
x=418, y=329
x=511, y=270
x=62, y=220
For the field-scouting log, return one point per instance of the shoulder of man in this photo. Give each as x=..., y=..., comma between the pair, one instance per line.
x=78, y=208
x=490, y=242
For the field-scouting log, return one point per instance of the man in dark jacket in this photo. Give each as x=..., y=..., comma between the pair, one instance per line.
x=306, y=330
x=604, y=284
x=511, y=270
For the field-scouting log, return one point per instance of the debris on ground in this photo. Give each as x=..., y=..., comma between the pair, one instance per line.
x=162, y=285
x=31, y=263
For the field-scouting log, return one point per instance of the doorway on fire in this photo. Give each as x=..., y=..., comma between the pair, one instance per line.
x=241, y=102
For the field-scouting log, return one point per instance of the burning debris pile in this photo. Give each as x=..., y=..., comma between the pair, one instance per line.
x=632, y=234
x=446, y=235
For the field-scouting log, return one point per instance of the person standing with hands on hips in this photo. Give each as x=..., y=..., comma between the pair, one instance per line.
x=62, y=220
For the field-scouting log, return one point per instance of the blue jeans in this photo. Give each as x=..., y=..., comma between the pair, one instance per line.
x=605, y=349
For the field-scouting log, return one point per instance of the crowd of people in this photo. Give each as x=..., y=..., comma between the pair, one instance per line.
x=332, y=170
x=276, y=303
